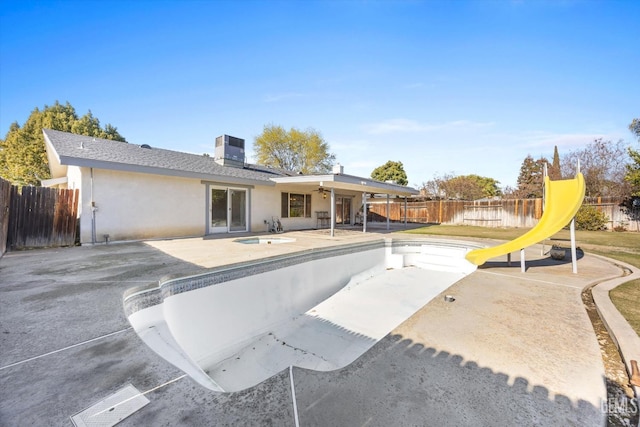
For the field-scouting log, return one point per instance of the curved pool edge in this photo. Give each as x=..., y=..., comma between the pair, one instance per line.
x=141, y=297
x=144, y=305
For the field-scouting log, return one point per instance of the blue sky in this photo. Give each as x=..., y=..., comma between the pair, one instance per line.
x=463, y=87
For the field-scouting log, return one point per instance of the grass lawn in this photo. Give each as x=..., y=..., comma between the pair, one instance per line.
x=623, y=246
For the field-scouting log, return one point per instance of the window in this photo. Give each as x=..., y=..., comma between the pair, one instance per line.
x=295, y=205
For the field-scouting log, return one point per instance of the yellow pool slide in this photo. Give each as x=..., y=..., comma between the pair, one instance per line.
x=563, y=199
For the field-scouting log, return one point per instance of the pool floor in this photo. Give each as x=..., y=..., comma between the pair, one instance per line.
x=337, y=331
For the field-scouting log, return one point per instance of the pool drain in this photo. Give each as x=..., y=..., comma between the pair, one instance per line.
x=111, y=410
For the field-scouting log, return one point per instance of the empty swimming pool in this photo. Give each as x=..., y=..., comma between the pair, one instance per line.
x=238, y=325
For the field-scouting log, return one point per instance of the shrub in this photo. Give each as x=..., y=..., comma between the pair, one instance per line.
x=591, y=219
x=620, y=227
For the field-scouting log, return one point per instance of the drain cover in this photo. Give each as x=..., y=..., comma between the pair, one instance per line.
x=110, y=411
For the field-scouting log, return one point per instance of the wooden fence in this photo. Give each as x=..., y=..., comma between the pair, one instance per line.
x=523, y=213
x=616, y=214
x=5, y=195
x=42, y=217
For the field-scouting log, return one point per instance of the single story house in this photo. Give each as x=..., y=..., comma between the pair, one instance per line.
x=133, y=192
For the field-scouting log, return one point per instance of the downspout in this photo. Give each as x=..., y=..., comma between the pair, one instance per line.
x=93, y=212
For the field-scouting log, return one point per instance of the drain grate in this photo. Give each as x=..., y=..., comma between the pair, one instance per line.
x=110, y=411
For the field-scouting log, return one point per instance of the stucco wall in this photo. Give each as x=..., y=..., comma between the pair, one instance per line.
x=136, y=206
x=265, y=203
x=132, y=206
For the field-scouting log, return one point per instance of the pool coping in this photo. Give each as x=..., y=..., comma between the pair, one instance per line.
x=140, y=297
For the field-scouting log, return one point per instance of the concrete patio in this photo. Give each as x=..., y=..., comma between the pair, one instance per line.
x=512, y=349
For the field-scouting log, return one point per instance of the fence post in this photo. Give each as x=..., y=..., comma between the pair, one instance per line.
x=5, y=201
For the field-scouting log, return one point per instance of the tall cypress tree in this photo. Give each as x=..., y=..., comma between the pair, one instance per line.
x=554, y=171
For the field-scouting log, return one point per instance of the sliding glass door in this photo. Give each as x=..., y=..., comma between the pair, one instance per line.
x=237, y=210
x=228, y=211
x=343, y=210
x=218, y=222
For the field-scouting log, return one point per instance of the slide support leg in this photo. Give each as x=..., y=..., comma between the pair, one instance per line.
x=574, y=261
x=522, y=262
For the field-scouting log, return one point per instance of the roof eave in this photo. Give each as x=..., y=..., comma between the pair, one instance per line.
x=124, y=167
x=349, y=182
x=56, y=168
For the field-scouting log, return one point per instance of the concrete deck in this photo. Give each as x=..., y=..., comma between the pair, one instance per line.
x=512, y=349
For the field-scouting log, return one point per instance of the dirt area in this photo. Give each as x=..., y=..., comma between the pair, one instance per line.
x=621, y=408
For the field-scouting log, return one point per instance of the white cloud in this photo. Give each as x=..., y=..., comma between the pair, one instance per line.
x=412, y=126
x=549, y=140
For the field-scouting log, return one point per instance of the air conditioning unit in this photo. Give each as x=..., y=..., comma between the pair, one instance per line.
x=229, y=151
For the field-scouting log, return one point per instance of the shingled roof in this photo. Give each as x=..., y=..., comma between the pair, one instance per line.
x=85, y=151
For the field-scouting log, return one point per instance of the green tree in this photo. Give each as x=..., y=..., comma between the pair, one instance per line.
x=390, y=171
x=23, y=158
x=634, y=127
x=555, y=171
x=531, y=178
x=489, y=185
x=87, y=125
x=470, y=187
x=295, y=150
x=465, y=187
x=632, y=175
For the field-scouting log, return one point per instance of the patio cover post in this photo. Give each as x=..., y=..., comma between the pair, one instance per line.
x=388, y=210
x=333, y=211
x=364, y=212
x=405, y=211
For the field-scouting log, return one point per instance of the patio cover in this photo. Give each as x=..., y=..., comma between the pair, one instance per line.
x=339, y=181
